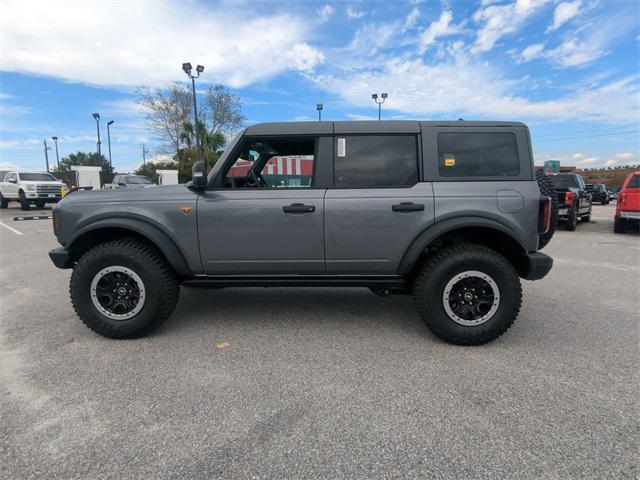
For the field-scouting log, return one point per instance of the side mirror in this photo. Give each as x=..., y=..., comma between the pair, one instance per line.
x=122, y=184
x=198, y=175
x=13, y=180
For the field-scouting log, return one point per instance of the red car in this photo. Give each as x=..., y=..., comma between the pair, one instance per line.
x=628, y=204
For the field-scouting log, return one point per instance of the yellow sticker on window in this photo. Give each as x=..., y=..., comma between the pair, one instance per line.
x=449, y=161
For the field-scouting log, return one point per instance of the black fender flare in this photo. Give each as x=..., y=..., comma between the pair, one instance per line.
x=426, y=237
x=153, y=234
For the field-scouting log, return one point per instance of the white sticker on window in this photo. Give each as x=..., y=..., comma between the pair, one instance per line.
x=342, y=147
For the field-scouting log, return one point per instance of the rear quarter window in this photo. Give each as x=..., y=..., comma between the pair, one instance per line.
x=634, y=182
x=478, y=154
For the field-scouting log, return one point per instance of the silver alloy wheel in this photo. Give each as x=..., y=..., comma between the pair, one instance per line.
x=471, y=298
x=118, y=292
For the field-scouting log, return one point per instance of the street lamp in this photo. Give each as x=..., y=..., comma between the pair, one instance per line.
x=186, y=68
x=319, y=107
x=375, y=99
x=109, y=123
x=96, y=116
x=55, y=140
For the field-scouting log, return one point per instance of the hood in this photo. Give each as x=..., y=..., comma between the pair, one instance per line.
x=128, y=195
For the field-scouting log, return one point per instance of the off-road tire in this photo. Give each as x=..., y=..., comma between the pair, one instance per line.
x=39, y=203
x=546, y=188
x=4, y=203
x=572, y=219
x=24, y=201
x=160, y=283
x=445, y=264
x=586, y=218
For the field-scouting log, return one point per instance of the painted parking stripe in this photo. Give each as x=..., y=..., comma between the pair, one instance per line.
x=11, y=228
x=35, y=217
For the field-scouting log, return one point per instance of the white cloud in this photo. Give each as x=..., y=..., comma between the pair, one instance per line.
x=305, y=58
x=133, y=43
x=22, y=143
x=499, y=20
x=353, y=14
x=625, y=158
x=478, y=90
x=437, y=28
x=591, y=41
x=582, y=159
x=411, y=19
x=531, y=52
x=564, y=12
x=325, y=12
x=10, y=166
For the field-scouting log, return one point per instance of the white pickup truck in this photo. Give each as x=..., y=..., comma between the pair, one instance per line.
x=30, y=187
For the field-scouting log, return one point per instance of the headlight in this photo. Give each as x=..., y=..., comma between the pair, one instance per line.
x=30, y=188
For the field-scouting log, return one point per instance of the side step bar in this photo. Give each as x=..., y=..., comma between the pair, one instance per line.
x=213, y=281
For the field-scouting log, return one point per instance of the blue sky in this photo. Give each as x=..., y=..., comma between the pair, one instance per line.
x=570, y=69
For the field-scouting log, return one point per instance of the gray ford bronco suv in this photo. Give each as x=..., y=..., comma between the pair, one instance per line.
x=448, y=212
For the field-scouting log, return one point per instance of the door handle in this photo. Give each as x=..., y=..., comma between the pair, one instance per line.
x=408, y=207
x=298, y=208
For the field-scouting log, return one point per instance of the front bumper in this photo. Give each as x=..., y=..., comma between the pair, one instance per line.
x=61, y=258
x=535, y=266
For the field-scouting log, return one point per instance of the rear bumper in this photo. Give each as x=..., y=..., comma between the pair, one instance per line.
x=630, y=214
x=536, y=266
x=61, y=258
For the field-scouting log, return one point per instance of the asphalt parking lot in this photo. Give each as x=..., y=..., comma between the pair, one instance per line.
x=323, y=383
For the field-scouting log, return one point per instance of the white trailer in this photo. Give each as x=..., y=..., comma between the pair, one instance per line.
x=87, y=176
x=167, y=177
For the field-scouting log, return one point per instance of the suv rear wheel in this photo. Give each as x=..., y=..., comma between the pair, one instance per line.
x=467, y=294
x=123, y=289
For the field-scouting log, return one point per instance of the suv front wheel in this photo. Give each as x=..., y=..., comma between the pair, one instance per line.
x=467, y=294
x=123, y=289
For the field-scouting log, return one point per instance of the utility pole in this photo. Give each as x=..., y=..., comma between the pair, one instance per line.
x=55, y=140
x=46, y=154
x=144, y=154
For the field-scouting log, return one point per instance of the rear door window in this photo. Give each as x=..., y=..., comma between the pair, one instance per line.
x=478, y=154
x=375, y=161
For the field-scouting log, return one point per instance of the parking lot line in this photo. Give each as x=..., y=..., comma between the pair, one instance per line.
x=11, y=228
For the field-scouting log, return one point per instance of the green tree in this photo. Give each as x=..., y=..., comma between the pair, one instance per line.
x=83, y=159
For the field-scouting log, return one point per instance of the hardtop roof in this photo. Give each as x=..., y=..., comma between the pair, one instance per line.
x=366, y=126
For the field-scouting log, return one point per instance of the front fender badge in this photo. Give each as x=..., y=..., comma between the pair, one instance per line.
x=186, y=209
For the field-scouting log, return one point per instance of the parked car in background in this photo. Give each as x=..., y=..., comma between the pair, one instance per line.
x=129, y=181
x=628, y=205
x=573, y=199
x=599, y=193
x=30, y=187
x=613, y=193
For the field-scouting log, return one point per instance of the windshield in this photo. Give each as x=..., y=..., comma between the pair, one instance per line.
x=38, y=177
x=138, y=180
x=564, y=181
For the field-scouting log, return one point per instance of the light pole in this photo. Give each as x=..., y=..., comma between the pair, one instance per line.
x=96, y=116
x=319, y=107
x=375, y=99
x=186, y=68
x=109, y=123
x=55, y=140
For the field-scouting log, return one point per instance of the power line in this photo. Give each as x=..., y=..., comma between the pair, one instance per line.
x=589, y=136
x=580, y=132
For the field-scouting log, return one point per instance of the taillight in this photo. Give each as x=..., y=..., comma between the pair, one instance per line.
x=568, y=198
x=544, y=221
x=621, y=198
